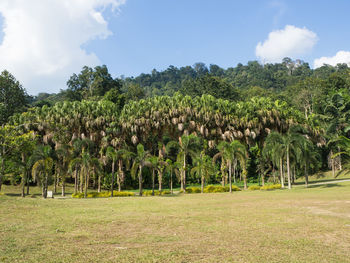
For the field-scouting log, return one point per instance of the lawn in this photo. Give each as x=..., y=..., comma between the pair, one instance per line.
x=299, y=225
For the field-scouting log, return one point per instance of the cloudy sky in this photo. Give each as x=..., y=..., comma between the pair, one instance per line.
x=43, y=42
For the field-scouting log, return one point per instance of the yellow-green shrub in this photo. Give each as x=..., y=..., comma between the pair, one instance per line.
x=220, y=189
x=254, y=187
x=209, y=189
x=193, y=190
x=78, y=195
x=103, y=194
x=156, y=192
x=236, y=188
x=271, y=187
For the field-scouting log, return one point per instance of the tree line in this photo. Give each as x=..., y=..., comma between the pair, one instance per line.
x=105, y=133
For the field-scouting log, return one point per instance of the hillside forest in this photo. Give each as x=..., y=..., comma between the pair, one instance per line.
x=199, y=124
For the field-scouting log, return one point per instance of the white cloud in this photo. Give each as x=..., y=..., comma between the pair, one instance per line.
x=42, y=43
x=340, y=57
x=288, y=42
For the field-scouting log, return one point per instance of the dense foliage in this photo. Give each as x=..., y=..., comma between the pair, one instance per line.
x=270, y=122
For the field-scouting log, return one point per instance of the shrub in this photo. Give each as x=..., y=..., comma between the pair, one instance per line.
x=236, y=188
x=254, y=187
x=193, y=190
x=103, y=194
x=156, y=192
x=78, y=195
x=209, y=189
x=271, y=187
x=220, y=189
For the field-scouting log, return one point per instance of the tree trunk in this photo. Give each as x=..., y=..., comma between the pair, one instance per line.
x=140, y=180
x=43, y=189
x=333, y=165
x=274, y=174
x=222, y=173
x=45, y=186
x=339, y=156
x=245, y=180
x=112, y=184
x=202, y=184
x=184, y=175
x=234, y=171
x=171, y=182
x=262, y=179
x=2, y=170
x=306, y=177
x=27, y=184
x=160, y=180
x=99, y=183
x=230, y=176
x=281, y=173
x=153, y=181
x=75, y=181
x=288, y=171
x=23, y=183
x=63, y=187
x=55, y=184
x=86, y=185
x=120, y=167
x=81, y=179
x=23, y=187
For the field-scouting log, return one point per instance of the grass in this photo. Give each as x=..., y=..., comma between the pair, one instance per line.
x=300, y=225
x=323, y=177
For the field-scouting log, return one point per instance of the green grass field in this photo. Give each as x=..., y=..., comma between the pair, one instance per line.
x=299, y=225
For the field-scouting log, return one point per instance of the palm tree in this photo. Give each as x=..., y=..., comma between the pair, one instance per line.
x=152, y=162
x=225, y=156
x=344, y=144
x=112, y=154
x=187, y=145
x=308, y=157
x=169, y=167
x=203, y=168
x=43, y=165
x=64, y=153
x=86, y=161
x=138, y=164
x=230, y=153
x=287, y=144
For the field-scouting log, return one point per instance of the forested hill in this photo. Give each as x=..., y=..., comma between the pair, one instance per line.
x=292, y=81
x=258, y=106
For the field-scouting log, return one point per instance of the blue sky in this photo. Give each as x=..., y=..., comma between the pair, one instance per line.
x=158, y=33
x=140, y=35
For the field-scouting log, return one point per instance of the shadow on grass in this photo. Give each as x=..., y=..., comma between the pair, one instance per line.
x=330, y=185
x=321, y=181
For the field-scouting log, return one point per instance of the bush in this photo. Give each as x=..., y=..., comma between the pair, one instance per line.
x=209, y=189
x=271, y=187
x=254, y=187
x=78, y=195
x=236, y=188
x=193, y=190
x=103, y=194
x=156, y=192
x=220, y=189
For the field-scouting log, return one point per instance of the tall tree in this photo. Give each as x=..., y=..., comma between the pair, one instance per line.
x=187, y=145
x=138, y=164
x=287, y=144
x=203, y=167
x=42, y=168
x=13, y=97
